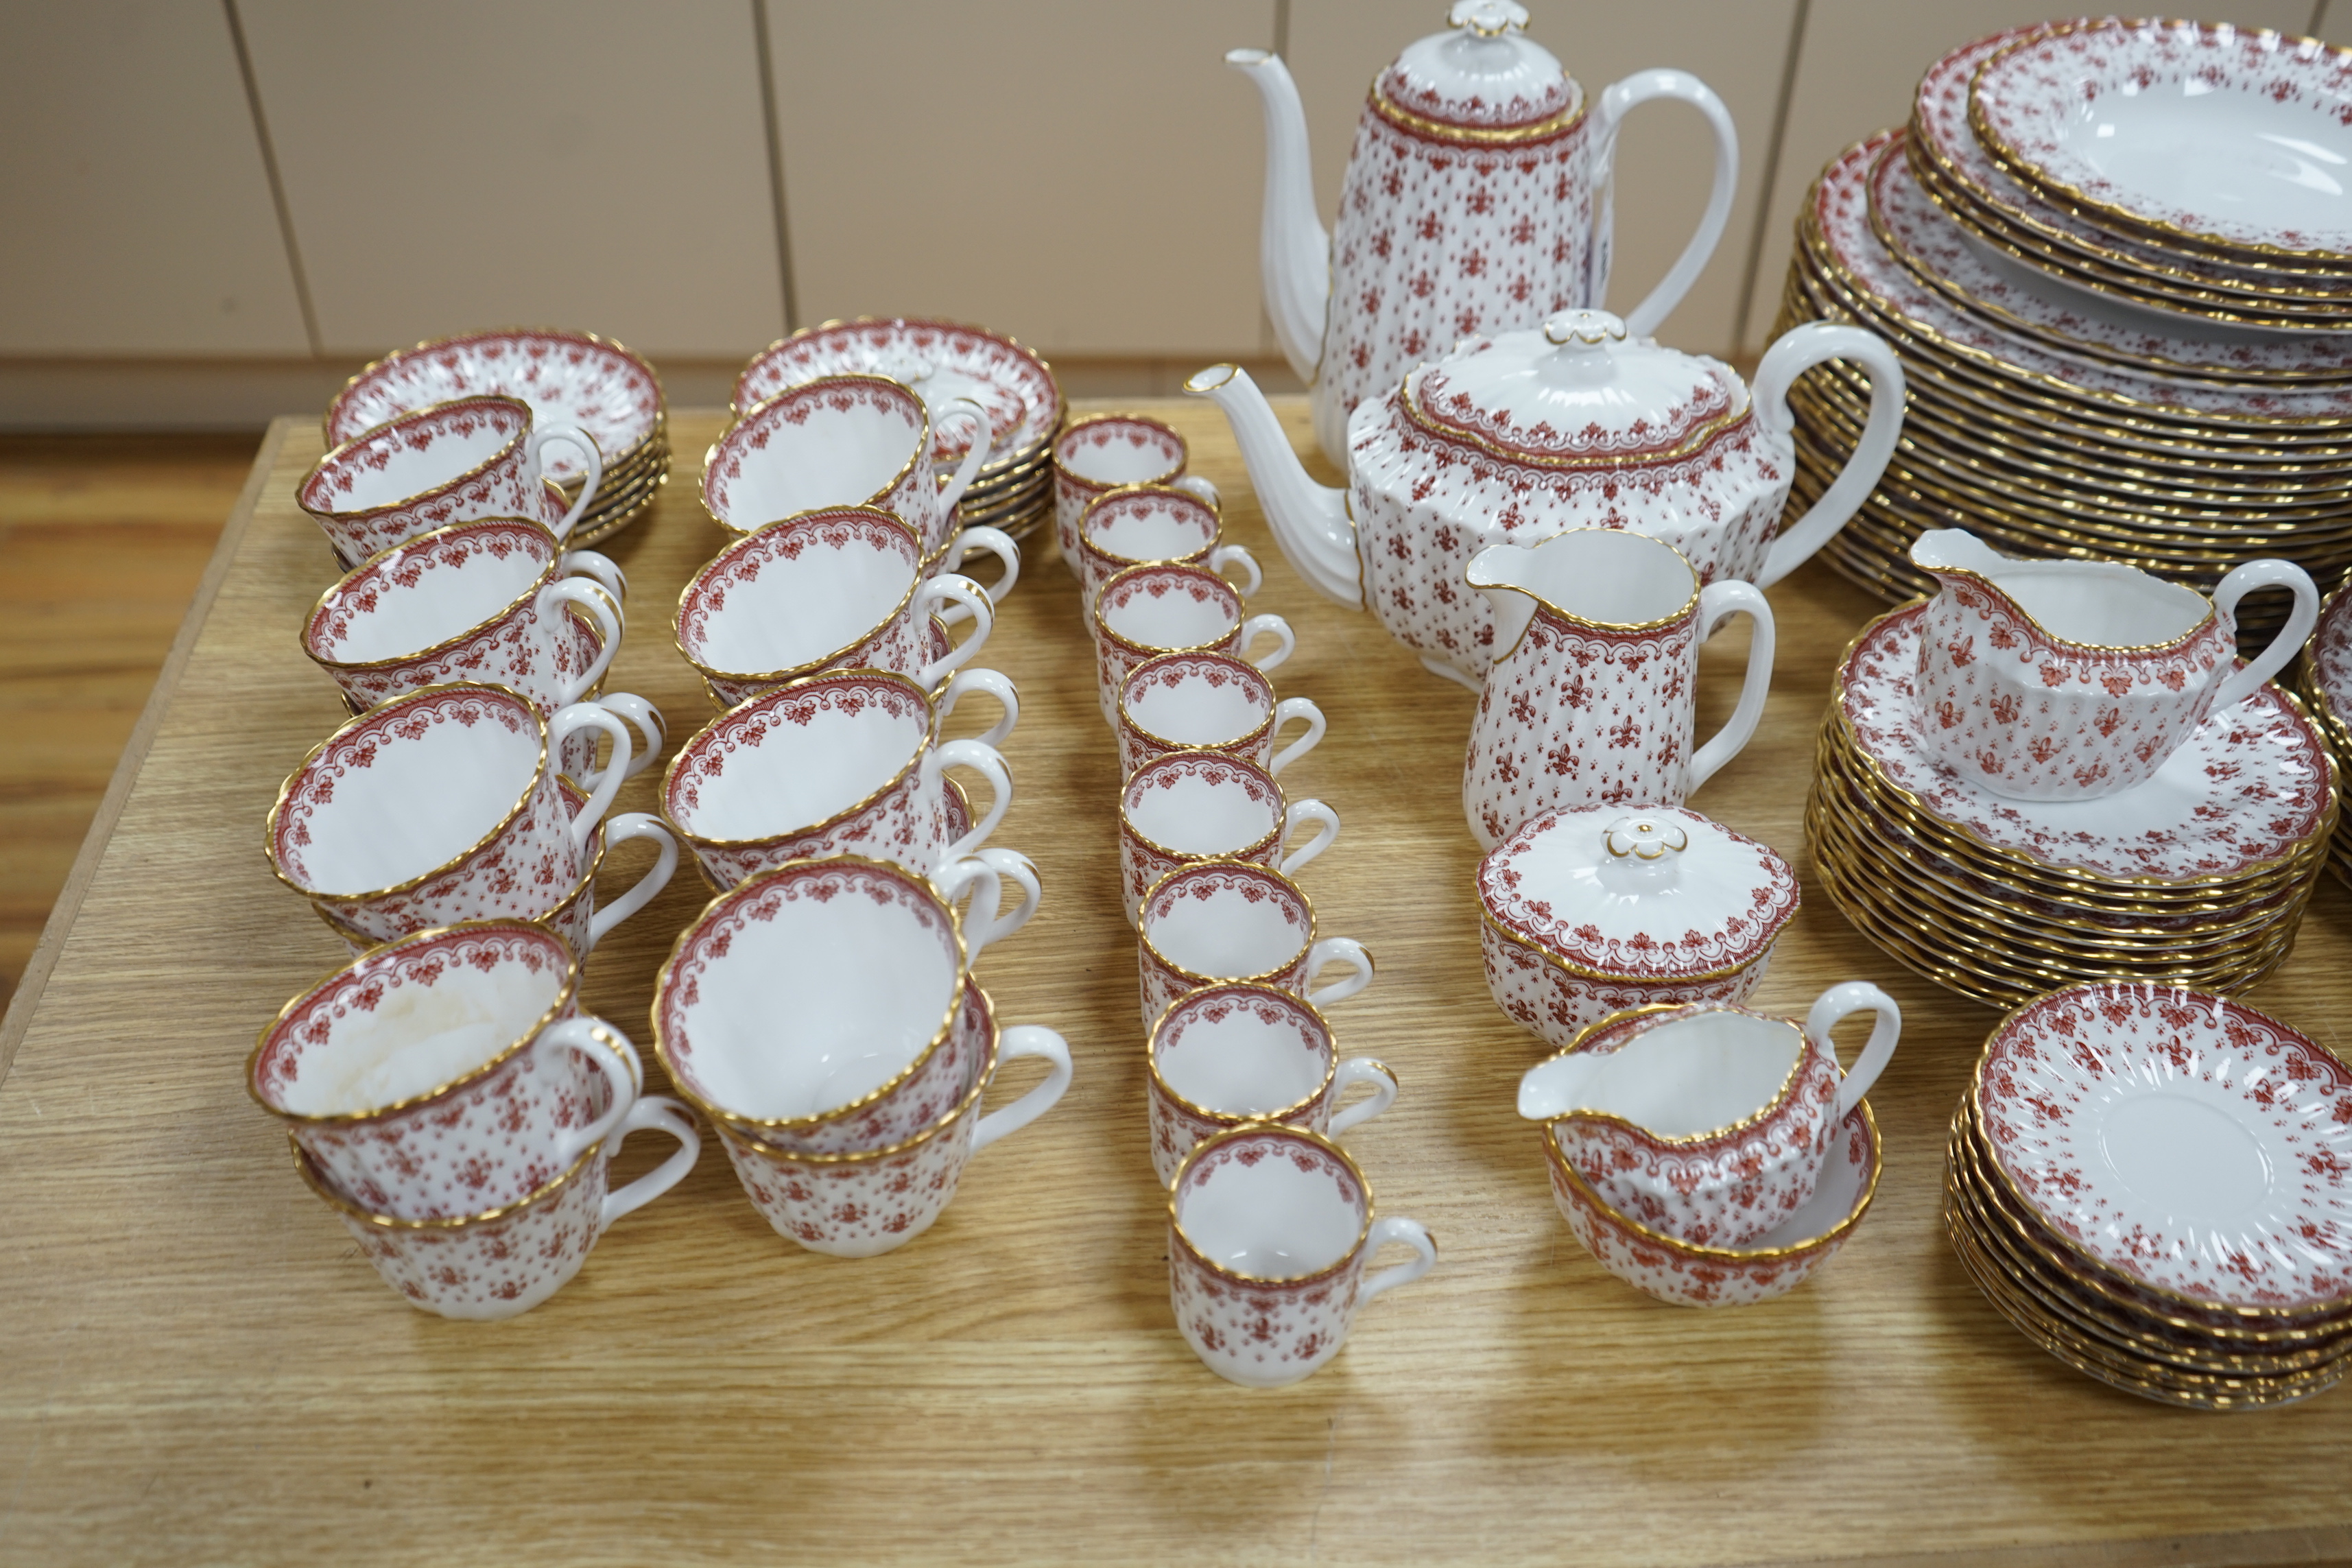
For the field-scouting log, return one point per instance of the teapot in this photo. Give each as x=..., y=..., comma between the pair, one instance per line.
x=1515, y=438
x=1477, y=199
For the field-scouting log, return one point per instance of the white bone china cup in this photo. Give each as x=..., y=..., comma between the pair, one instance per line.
x=1224, y=1055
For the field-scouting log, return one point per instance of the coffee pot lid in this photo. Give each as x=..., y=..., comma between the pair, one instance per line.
x=1651, y=892
x=1484, y=75
x=1575, y=393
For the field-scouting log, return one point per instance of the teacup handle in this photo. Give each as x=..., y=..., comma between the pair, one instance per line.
x=1287, y=709
x=985, y=874
x=989, y=763
x=983, y=435
x=1026, y=1040
x=629, y=826
x=997, y=542
x=1225, y=556
x=1836, y=1004
x=597, y=600
x=969, y=593
x=1717, y=602
x=1195, y=485
x=1412, y=1234
x=652, y=730
x=1342, y=950
x=595, y=563
x=573, y=435
x=995, y=684
x=1285, y=642
x=1327, y=826
x=2239, y=685
x=1355, y=1070
x=659, y=1113
x=569, y=722
x=607, y=1050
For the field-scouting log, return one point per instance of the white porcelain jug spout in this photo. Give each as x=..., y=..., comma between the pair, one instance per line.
x=1956, y=548
x=1310, y=521
x=1500, y=572
x=1294, y=250
x=1553, y=1087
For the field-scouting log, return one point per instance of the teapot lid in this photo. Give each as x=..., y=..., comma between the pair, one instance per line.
x=1646, y=893
x=1484, y=76
x=1574, y=393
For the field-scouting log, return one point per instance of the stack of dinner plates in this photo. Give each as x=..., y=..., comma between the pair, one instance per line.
x=2323, y=676
x=568, y=378
x=2154, y=1186
x=943, y=361
x=2053, y=412
x=2198, y=877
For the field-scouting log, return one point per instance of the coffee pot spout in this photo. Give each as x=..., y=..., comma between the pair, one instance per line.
x=1310, y=521
x=1294, y=250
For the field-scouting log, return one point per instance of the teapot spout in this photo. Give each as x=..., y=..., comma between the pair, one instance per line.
x=1293, y=251
x=1309, y=520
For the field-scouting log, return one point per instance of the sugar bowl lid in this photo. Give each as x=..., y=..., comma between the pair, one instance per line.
x=1574, y=393
x=1656, y=893
x=1484, y=76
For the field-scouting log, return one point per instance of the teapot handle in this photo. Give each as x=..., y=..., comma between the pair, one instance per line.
x=1797, y=353
x=2254, y=575
x=1619, y=100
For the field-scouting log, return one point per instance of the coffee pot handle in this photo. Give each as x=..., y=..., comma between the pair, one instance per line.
x=1616, y=101
x=1716, y=602
x=2237, y=685
x=1798, y=352
x=1835, y=1004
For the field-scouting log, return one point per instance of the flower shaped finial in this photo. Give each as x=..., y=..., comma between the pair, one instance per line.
x=1489, y=18
x=1644, y=837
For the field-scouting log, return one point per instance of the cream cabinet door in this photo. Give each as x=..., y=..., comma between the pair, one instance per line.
x=1081, y=175
x=1664, y=155
x=1856, y=69
x=456, y=163
x=135, y=215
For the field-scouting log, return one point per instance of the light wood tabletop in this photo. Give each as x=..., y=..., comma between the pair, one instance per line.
x=196, y=1363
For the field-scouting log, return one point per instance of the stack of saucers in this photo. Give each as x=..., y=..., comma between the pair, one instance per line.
x=568, y=378
x=2154, y=1186
x=2198, y=877
x=2055, y=410
x=2323, y=678
x=943, y=361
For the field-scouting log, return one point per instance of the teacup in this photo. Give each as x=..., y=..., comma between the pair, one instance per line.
x=1224, y=1055
x=1145, y=525
x=440, y=805
x=505, y=1261
x=1208, y=702
x=1269, y=1231
x=489, y=600
x=446, y=463
x=816, y=1003
x=1708, y=1121
x=2073, y=680
x=862, y=1202
x=1106, y=451
x=446, y=1073
x=839, y=441
x=1223, y=921
x=1145, y=611
x=572, y=913
x=842, y=764
x=838, y=589
x=1188, y=806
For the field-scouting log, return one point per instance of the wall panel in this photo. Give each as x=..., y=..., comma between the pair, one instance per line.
x=1084, y=176
x=135, y=215
x=1859, y=62
x=452, y=164
x=1737, y=46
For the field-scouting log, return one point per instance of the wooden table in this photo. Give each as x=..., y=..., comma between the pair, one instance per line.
x=197, y=1365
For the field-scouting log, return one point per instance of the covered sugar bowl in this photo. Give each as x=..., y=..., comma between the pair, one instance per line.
x=1587, y=912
